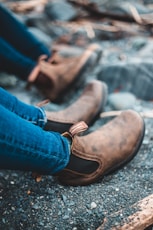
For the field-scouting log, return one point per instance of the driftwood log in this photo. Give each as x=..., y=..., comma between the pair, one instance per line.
x=92, y=8
x=140, y=219
x=23, y=6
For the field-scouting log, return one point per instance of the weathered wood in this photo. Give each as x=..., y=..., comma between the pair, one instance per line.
x=24, y=6
x=92, y=8
x=139, y=220
x=146, y=114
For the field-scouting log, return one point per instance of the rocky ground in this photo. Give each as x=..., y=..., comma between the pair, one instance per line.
x=126, y=67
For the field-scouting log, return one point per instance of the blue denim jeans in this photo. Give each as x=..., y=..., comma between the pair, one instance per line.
x=24, y=145
x=19, y=49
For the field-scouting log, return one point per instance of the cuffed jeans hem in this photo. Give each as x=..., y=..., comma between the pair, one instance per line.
x=43, y=118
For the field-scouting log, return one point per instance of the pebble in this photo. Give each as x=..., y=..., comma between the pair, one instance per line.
x=145, y=141
x=71, y=203
x=12, y=182
x=3, y=220
x=65, y=217
x=122, y=100
x=35, y=206
x=93, y=205
x=64, y=198
x=139, y=42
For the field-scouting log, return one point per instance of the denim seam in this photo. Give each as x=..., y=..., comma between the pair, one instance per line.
x=30, y=152
x=30, y=149
x=61, y=162
x=9, y=142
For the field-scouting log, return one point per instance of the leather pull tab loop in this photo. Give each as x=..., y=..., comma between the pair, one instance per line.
x=78, y=128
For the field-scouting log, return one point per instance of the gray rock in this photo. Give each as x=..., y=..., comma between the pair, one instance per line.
x=139, y=43
x=40, y=35
x=123, y=7
x=60, y=10
x=122, y=100
x=35, y=206
x=7, y=80
x=147, y=50
x=133, y=76
x=148, y=2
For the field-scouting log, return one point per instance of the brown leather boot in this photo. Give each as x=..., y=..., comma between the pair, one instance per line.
x=54, y=76
x=86, y=108
x=102, y=151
